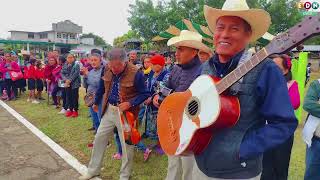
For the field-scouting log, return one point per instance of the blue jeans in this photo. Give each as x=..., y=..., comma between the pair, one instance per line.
x=100, y=111
x=141, y=146
x=96, y=117
x=141, y=114
x=1, y=87
x=313, y=160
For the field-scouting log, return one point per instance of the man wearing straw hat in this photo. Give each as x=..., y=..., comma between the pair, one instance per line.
x=237, y=152
x=187, y=45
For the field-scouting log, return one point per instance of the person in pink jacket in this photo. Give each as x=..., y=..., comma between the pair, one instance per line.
x=284, y=63
x=276, y=161
x=7, y=66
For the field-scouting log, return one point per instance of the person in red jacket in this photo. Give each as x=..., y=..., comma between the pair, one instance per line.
x=31, y=75
x=39, y=79
x=48, y=76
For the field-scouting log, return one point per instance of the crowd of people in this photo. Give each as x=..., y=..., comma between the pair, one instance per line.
x=258, y=146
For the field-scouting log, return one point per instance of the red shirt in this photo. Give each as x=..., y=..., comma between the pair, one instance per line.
x=39, y=73
x=31, y=72
x=48, y=72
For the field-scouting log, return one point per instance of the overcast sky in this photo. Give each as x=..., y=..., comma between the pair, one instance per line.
x=107, y=18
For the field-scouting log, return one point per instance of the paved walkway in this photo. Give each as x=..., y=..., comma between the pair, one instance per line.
x=23, y=156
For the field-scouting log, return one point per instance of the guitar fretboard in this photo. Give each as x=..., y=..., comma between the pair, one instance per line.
x=242, y=70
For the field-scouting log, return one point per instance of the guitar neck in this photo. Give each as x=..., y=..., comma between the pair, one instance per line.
x=241, y=70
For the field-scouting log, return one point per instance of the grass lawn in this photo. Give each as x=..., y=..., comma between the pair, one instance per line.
x=73, y=136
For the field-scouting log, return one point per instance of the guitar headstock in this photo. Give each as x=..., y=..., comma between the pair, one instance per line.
x=310, y=26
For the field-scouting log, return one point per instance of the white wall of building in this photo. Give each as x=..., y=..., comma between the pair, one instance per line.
x=88, y=41
x=52, y=36
x=19, y=36
x=87, y=48
x=65, y=32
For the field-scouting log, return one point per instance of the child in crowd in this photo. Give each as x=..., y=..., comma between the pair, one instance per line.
x=31, y=76
x=39, y=79
x=59, y=90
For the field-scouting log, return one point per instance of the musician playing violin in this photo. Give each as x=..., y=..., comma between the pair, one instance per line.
x=124, y=90
x=266, y=116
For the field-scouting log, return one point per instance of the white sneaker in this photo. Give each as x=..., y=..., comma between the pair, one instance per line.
x=63, y=111
x=35, y=102
x=87, y=176
x=28, y=100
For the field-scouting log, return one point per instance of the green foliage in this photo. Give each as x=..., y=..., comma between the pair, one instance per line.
x=149, y=19
x=119, y=41
x=146, y=18
x=313, y=41
x=108, y=47
x=98, y=41
x=284, y=14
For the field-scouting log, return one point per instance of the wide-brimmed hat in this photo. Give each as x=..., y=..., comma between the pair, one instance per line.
x=258, y=19
x=24, y=52
x=189, y=39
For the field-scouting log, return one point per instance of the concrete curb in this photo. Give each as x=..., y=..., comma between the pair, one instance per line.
x=71, y=160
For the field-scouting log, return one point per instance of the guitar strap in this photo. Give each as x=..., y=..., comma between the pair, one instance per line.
x=236, y=87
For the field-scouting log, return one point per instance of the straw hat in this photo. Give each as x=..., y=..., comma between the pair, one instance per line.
x=24, y=52
x=189, y=39
x=258, y=19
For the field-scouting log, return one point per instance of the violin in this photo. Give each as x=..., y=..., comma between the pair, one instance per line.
x=131, y=133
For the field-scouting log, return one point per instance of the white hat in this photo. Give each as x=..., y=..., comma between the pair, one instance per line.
x=189, y=39
x=258, y=19
x=24, y=52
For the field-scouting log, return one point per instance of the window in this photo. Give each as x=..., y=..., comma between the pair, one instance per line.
x=72, y=36
x=30, y=35
x=44, y=36
x=64, y=36
x=59, y=35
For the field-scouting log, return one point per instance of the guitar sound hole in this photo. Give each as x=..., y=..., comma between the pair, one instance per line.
x=193, y=107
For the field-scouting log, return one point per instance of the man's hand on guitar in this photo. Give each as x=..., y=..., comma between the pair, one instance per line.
x=156, y=101
x=124, y=106
x=95, y=108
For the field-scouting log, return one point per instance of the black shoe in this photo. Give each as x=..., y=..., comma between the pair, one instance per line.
x=91, y=129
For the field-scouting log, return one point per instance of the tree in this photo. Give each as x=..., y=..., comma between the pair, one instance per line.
x=119, y=41
x=149, y=19
x=107, y=47
x=146, y=19
x=98, y=41
x=284, y=14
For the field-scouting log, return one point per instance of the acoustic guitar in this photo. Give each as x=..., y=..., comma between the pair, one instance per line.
x=188, y=120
